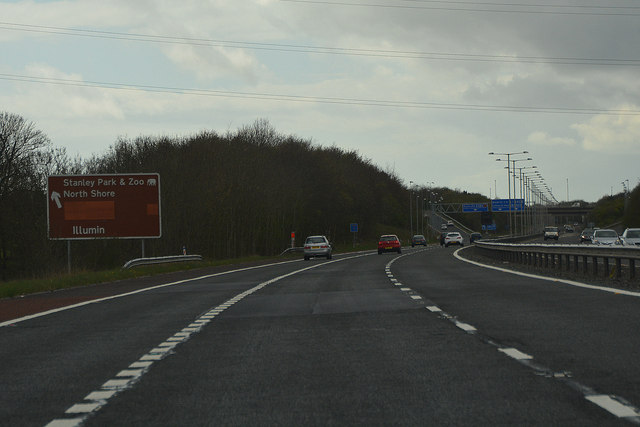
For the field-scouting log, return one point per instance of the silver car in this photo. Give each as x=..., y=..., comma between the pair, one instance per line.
x=551, y=233
x=631, y=237
x=317, y=246
x=605, y=236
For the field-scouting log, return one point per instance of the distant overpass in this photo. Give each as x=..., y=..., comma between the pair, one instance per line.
x=557, y=215
x=569, y=214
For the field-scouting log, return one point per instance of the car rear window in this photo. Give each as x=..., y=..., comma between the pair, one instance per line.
x=388, y=238
x=633, y=233
x=315, y=240
x=606, y=233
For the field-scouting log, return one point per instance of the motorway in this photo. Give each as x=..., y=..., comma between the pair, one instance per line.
x=421, y=338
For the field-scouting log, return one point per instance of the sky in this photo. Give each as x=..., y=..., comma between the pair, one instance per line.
x=424, y=89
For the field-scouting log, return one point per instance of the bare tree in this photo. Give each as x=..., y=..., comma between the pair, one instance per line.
x=21, y=146
x=21, y=155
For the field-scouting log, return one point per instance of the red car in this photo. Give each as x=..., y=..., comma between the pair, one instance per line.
x=389, y=243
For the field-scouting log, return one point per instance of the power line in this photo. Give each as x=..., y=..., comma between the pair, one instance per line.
x=314, y=99
x=445, y=56
x=540, y=11
x=547, y=5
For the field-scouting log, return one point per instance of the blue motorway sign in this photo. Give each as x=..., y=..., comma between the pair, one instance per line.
x=490, y=227
x=353, y=227
x=503, y=205
x=475, y=207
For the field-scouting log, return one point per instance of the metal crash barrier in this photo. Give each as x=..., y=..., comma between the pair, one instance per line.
x=161, y=260
x=597, y=261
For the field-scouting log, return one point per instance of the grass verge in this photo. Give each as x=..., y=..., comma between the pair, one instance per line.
x=15, y=288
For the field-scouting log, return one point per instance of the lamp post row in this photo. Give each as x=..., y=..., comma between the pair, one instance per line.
x=419, y=208
x=530, y=192
x=508, y=160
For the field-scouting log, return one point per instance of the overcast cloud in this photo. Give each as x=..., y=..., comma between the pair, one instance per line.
x=422, y=88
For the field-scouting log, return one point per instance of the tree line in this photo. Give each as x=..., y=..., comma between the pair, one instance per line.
x=223, y=196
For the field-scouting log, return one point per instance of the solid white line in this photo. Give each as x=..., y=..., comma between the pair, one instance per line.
x=81, y=304
x=159, y=352
x=551, y=279
x=613, y=406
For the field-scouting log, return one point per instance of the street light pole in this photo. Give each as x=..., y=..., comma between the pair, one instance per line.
x=523, y=214
x=410, y=207
x=508, y=179
x=417, y=214
x=528, y=199
x=536, y=217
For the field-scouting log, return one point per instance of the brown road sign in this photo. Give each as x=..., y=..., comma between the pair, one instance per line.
x=125, y=206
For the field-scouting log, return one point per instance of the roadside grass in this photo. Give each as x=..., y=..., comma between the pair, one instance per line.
x=20, y=287
x=14, y=288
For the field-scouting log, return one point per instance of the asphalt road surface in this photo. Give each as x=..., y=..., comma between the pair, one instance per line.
x=418, y=339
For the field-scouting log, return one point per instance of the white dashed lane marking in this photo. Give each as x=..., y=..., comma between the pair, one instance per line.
x=611, y=403
x=128, y=377
x=613, y=406
x=516, y=354
x=465, y=327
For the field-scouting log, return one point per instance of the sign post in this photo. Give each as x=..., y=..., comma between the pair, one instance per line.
x=353, y=227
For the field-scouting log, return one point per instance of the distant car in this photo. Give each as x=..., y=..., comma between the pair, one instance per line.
x=317, y=246
x=568, y=228
x=474, y=236
x=418, y=239
x=631, y=237
x=443, y=226
x=586, y=234
x=453, y=238
x=551, y=233
x=449, y=223
x=389, y=243
x=605, y=236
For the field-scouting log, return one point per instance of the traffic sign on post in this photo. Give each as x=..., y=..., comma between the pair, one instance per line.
x=475, y=207
x=124, y=206
x=506, y=205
